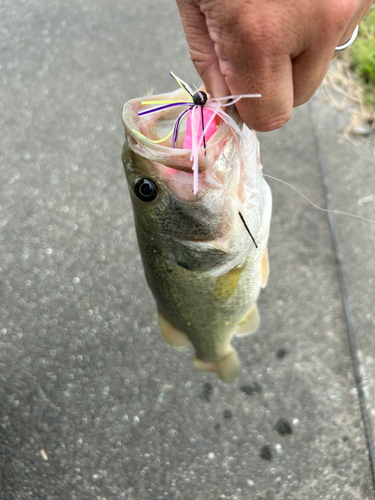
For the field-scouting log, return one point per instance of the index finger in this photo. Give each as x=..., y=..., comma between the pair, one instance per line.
x=202, y=48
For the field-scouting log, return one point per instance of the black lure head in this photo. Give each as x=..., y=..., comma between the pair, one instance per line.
x=200, y=98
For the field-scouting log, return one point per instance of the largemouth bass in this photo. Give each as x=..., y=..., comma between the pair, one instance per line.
x=204, y=254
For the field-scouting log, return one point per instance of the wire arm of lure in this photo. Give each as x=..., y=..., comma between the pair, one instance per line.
x=247, y=229
x=203, y=132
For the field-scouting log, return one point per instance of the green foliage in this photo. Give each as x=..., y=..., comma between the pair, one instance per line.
x=362, y=54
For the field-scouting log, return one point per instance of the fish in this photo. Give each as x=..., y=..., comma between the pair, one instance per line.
x=204, y=251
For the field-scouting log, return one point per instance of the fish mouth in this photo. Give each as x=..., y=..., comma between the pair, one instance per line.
x=155, y=126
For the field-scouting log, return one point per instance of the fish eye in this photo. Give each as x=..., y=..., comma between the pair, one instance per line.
x=146, y=190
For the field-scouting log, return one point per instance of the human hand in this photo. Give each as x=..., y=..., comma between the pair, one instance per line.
x=280, y=49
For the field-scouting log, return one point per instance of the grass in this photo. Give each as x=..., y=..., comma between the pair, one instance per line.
x=362, y=55
x=350, y=82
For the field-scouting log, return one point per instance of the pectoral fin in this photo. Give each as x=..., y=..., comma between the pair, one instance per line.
x=171, y=334
x=249, y=323
x=265, y=269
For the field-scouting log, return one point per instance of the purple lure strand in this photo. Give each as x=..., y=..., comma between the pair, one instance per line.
x=177, y=126
x=165, y=106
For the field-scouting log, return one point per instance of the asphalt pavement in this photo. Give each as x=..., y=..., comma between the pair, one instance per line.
x=93, y=403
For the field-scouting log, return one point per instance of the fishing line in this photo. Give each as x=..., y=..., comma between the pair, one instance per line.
x=316, y=206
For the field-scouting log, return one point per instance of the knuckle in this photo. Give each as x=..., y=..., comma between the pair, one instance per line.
x=261, y=34
x=339, y=14
x=198, y=56
x=238, y=29
x=202, y=61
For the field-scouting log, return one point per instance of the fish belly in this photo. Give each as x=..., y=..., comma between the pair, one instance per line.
x=206, y=308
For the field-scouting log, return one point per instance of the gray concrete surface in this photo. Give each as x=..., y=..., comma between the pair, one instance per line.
x=350, y=185
x=93, y=404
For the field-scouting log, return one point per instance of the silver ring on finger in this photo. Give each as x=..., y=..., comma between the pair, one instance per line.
x=350, y=41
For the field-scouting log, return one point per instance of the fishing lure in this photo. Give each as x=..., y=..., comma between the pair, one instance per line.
x=197, y=103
